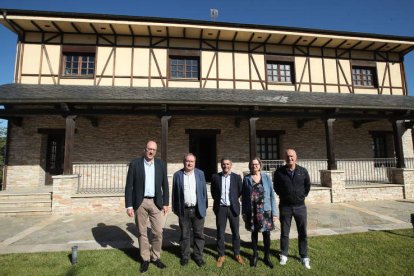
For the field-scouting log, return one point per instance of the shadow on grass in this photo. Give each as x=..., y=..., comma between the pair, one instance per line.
x=115, y=237
x=393, y=233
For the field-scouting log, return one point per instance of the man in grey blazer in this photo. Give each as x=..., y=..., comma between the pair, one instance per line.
x=189, y=197
x=147, y=196
x=226, y=188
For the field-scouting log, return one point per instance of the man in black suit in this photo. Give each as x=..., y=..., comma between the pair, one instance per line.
x=147, y=196
x=226, y=188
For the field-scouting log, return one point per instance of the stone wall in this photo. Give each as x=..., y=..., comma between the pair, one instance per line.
x=122, y=138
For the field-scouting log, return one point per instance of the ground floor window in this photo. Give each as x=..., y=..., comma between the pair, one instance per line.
x=268, y=144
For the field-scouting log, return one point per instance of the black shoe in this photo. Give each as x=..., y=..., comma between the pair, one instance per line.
x=268, y=262
x=253, y=260
x=199, y=262
x=159, y=264
x=184, y=262
x=144, y=266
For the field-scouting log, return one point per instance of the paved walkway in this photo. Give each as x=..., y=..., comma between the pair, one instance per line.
x=116, y=230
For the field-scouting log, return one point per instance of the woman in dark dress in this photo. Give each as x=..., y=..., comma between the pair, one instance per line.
x=259, y=208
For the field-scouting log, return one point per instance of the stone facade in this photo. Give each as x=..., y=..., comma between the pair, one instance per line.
x=119, y=139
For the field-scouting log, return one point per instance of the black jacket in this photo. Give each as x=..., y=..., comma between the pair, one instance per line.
x=235, y=192
x=135, y=184
x=291, y=190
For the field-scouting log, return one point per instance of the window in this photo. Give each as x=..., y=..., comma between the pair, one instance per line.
x=364, y=76
x=267, y=144
x=184, y=68
x=79, y=64
x=280, y=72
x=383, y=148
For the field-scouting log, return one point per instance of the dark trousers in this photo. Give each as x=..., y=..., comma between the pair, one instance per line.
x=300, y=215
x=266, y=242
x=222, y=215
x=191, y=221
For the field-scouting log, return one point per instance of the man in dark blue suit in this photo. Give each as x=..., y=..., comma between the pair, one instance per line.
x=226, y=188
x=147, y=196
x=189, y=197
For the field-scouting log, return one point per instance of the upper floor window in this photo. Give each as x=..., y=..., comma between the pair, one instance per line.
x=279, y=71
x=364, y=76
x=79, y=64
x=78, y=61
x=184, y=68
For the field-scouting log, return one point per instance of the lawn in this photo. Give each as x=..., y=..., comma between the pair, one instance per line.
x=371, y=253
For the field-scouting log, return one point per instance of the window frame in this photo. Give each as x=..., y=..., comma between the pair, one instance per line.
x=374, y=79
x=268, y=135
x=185, y=54
x=279, y=76
x=80, y=52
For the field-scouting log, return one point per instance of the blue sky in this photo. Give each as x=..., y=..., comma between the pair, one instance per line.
x=368, y=16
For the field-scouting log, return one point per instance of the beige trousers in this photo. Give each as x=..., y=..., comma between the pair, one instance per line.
x=148, y=209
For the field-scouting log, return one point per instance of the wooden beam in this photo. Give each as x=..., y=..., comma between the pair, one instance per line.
x=164, y=139
x=330, y=152
x=69, y=144
x=252, y=137
x=398, y=131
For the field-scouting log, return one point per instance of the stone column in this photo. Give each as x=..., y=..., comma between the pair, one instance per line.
x=405, y=177
x=334, y=179
x=63, y=187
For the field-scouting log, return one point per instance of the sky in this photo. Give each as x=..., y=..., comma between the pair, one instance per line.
x=365, y=16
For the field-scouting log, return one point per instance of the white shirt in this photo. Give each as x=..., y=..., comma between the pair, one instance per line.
x=225, y=190
x=149, y=178
x=190, y=195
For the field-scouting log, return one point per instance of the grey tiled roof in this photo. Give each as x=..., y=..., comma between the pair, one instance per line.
x=32, y=94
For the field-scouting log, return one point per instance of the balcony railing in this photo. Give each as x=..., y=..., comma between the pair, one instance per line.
x=312, y=165
x=98, y=177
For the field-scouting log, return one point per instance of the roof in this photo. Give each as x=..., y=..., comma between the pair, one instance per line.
x=80, y=94
x=21, y=21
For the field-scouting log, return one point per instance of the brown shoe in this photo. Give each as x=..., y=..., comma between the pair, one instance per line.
x=239, y=259
x=220, y=261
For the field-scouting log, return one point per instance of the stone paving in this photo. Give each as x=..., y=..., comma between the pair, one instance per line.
x=117, y=230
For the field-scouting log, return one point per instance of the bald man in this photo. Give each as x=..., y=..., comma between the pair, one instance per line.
x=292, y=185
x=147, y=196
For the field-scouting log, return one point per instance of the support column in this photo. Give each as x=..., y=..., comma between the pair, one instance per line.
x=252, y=136
x=406, y=178
x=398, y=131
x=69, y=144
x=330, y=151
x=164, y=138
x=336, y=181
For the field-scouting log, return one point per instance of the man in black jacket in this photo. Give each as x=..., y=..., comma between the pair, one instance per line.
x=147, y=196
x=226, y=188
x=292, y=184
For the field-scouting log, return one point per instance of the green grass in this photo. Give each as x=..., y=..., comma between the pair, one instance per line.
x=371, y=253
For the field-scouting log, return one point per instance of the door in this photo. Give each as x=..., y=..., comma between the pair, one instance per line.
x=203, y=146
x=54, y=156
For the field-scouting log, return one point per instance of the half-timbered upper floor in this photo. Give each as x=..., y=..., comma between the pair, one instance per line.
x=109, y=50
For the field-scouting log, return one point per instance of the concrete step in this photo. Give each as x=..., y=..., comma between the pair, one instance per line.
x=5, y=197
x=25, y=204
x=26, y=212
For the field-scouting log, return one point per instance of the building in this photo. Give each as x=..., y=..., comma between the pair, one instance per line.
x=90, y=89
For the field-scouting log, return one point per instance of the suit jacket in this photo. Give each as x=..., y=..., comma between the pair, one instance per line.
x=235, y=191
x=178, y=203
x=135, y=184
x=269, y=201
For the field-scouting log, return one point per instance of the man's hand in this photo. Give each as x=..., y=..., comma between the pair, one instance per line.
x=165, y=210
x=130, y=212
x=275, y=218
